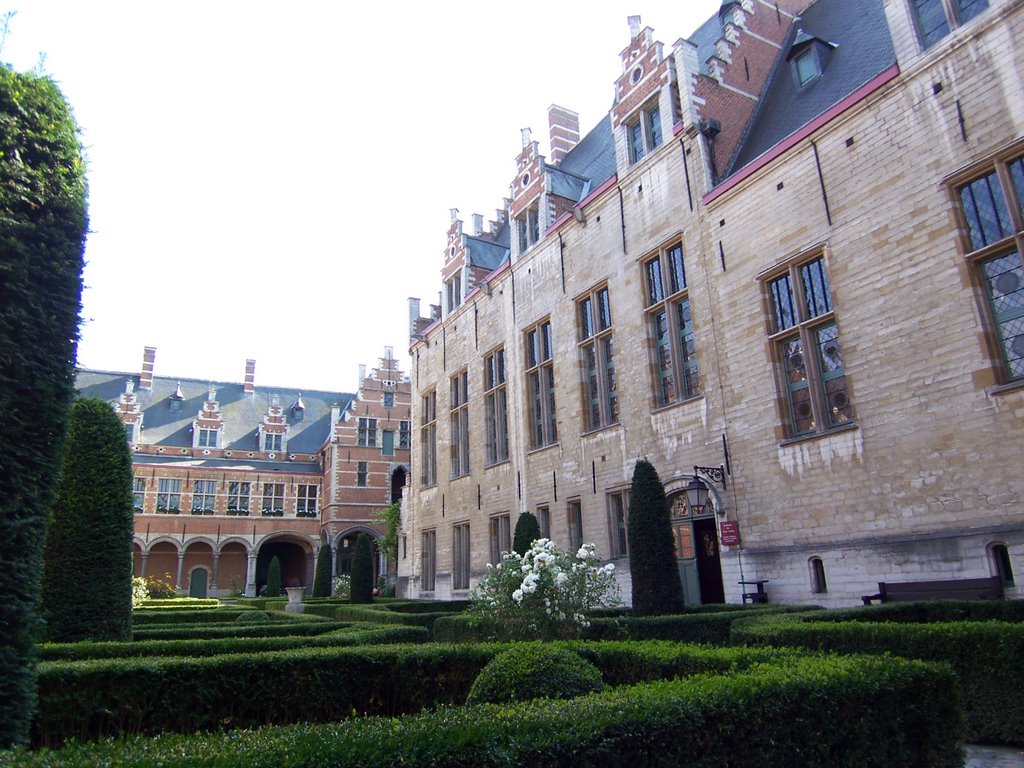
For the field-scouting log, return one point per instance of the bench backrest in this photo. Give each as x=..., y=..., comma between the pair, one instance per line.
x=989, y=588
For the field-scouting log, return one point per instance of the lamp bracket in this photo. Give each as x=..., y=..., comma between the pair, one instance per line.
x=715, y=474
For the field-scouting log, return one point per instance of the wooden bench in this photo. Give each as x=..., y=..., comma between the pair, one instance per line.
x=990, y=588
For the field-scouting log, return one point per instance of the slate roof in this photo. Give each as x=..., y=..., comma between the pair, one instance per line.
x=594, y=157
x=705, y=38
x=242, y=415
x=488, y=254
x=863, y=51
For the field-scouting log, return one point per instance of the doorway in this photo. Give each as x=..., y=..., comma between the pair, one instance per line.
x=197, y=582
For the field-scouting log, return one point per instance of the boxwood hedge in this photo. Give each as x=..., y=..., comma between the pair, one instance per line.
x=811, y=712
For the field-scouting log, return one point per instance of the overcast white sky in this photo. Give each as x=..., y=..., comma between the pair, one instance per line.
x=273, y=180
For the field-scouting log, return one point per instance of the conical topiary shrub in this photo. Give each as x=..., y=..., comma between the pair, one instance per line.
x=527, y=532
x=274, y=578
x=657, y=588
x=362, y=571
x=322, y=578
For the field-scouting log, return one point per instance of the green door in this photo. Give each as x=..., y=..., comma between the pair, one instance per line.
x=197, y=583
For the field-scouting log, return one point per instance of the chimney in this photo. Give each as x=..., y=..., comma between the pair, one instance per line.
x=564, y=130
x=414, y=315
x=362, y=375
x=249, y=386
x=478, y=225
x=148, y=361
x=526, y=136
x=634, y=27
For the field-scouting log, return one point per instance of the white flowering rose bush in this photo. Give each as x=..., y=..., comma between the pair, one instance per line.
x=140, y=591
x=543, y=594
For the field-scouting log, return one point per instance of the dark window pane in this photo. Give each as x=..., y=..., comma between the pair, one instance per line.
x=636, y=141
x=605, y=309
x=654, y=127
x=586, y=319
x=816, y=288
x=1017, y=174
x=968, y=9
x=782, y=303
x=985, y=209
x=1004, y=280
x=655, y=291
x=676, y=273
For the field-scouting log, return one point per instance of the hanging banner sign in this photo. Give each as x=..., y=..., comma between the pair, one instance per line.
x=730, y=533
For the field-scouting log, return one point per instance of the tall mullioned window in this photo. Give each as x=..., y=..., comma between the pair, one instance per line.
x=935, y=18
x=670, y=325
x=993, y=211
x=168, y=495
x=367, y=434
x=805, y=339
x=460, y=556
x=496, y=407
x=501, y=536
x=273, y=499
x=204, y=496
x=597, y=350
x=138, y=493
x=459, y=390
x=305, y=501
x=428, y=438
x=540, y=385
x=239, y=495
x=428, y=561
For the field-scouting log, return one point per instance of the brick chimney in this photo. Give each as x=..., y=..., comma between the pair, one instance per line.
x=249, y=385
x=564, y=128
x=148, y=361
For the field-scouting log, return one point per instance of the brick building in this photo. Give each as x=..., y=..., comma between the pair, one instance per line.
x=786, y=267
x=229, y=475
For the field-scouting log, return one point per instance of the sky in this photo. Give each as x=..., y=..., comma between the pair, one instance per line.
x=272, y=181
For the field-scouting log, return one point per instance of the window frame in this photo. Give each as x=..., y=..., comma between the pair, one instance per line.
x=952, y=17
x=239, y=490
x=528, y=227
x=644, y=131
x=458, y=393
x=362, y=474
x=404, y=435
x=273, y=442
x=596, y=349
x=819, y=580
x=666, y=295
x=618, y=523
x=428, y=560
x=574, y=523
x=204, y=496
x=496, y=407
x=544, y=520
x=168, y=495
x=500, y=529
x=539, y=370
x=272, y=502
x=138, y=494
x=306, y=498
x=461, y=555
x=1007, y=168
x=428, y=439
x=790, y=319
x=203, y=440
x=366, y=432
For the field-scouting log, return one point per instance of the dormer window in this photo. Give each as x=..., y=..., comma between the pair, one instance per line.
x=808, y=57
x=528, y=227
x=176, y=398
x=273, y=442
x=935, y=18
x=207, y=438
x=643, y=132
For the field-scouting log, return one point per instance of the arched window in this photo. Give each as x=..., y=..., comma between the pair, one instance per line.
x=1001, y=559
x=817, y=569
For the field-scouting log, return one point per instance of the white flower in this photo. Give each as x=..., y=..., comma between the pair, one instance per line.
x=518, y=595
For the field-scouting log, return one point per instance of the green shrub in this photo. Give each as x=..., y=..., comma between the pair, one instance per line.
x=276, y=628
x=42, y=240
x=322, y=578
x=657, y=588
x=527, y=532
x=362, y=571
x=93, y=503
x=253, y=617
x=807, y=712
x=274, y=578
x=534, y=672
x=984, y=655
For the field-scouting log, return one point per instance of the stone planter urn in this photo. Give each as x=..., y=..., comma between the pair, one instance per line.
x=294, y=599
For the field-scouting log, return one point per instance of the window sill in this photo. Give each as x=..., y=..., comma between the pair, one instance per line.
x=848, y=427
x=453, y=478
x=496, y=464
x=678, y=404
x=598, y=430
x=1002, y=389
x=540, y=448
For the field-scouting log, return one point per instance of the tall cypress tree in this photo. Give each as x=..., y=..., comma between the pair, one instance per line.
x=42, y=241
x=657, y=587
x=87, y=562
x=362, y=571
x=322, y=578
x=527, y=532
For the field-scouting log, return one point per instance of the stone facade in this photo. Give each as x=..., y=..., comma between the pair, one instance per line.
x=229, y=475
x=834, y=344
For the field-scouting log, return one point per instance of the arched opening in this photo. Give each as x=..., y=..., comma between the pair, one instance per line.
x=697, y=552
x=197, y=580
x=231, y=567
x=398, y=478
x=293, y=559
x=198, y=555
x=1003, y=566
x=136, y=559
x=347, y=549
x=819, y=585
x=162, y=563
